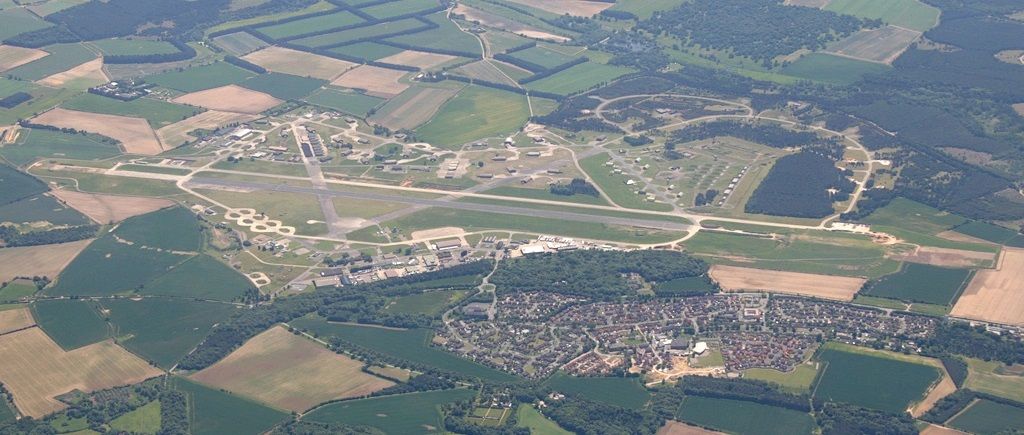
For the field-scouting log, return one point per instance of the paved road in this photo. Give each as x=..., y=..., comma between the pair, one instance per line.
x=200, y=182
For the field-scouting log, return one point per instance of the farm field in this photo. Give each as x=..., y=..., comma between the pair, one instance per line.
x=41, y=208
x=527, y=416
x=872, y=379
x=645, y=8
x=107, y=209
x=419, y=59
x=413, y=107
x=159, y=113
x=475, y=113
x=492, y=71
x=176, y=134
x=827, y=68
x=135, y=134
x=299, y=63
x=13, y=57
x=310, y=25
x=991, y=233
x=290, y=372
x=17, y=20
x=736, y=416
x=70, y=323
x=508, y=20
x=375, y=81
x=239, y=43
x=994, y=378
x=579, y=78
x=543, y=56
x=404, y=413
x=996, y=295
x=230, y=98
x=133, y=47
x=79, y=78
x=17, y=289
x=797, y=381
x=882, y=45
x=108, y=267
x=365, y=33
x=430, y=303
x=412, y=345
x=13, y=320
x=399, y=7
x=33, y=144
x=199, y=78
x=445, y=37
x=624, y=392
x=366, y=50
x=733, y=278
x=911, y=14
x=35, y=370
x=922, y=283
x=219, y=281
x=18, y=185
x=145, y=419
x=985, y=417
x=179, y=230
x=673, y=427
x=62, y=58
x=580, y=8
x=344, y=101
x=215, y=412
x=44, y=260
x=163, y=330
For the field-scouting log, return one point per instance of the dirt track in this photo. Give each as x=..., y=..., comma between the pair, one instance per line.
x=733, y=278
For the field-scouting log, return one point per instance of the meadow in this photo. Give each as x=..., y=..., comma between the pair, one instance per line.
x=144, y=419
x=911, y=14
x=159, y=113
x=398, y=414
x=797, y=381
x=736, y=416
x=922, y=283
x=987, y=417
x=411, y=345
x=430, y=303
x=62, y=58
x=992, y=377
x=133, y=47
x=179, y=230
x=200, y=78
x=163, y=330
x=33, y=144
x=579, y=78
x=614, y=185
x=527, y=416
x=310, y=25
x=200, y=277
x=827, y=68
x=349, y=102
x=215, y=412
x=17, y=289
x=70, y=323
x=624, y=392
x=475, y=113
x=872, y=380
x=283, y=86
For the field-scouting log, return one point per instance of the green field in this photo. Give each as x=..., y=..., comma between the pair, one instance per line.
x=349, y=102
x=399, y=414
x=33, y=144
x=62, y=58
x=376, y=30
x=159, y=113
x=399, y=7
x=527, y=416
x=579, y=78
x=986, y=417
x=822, y=67
x=911, y=14
x=134, y=47
x=310, y=25
x=437, y=217
x=179, y=230
x=615, y=186
x=201, y=77
x=645, y=8
x=473, y=114
x=163, y=330
x=922, y=283
x=430, y=303
x=445, y=37
x=214, y=412
x=108, y=267
x=43, y=99
x=624, y=392
x=992, y=377
x=19, y=20
x=144, y=420
x=239, y=43
x=367, y=50
x=201, y=277
x=872, y=380
x=284, y=86
x=41, y=208
x=736, y=416
x=411, y=345
x=99, y=183
x=17, y=289
x=993, y=233
x=797, y=381
x=543, y=56
x=18, y=185
x=70, y=323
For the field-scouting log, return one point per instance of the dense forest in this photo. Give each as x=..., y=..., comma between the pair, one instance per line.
x=798, y=186
x=10, y=236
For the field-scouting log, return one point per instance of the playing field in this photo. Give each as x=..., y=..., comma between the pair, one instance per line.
x=881, y=45
x=45, y=260
x=376, y=81
x=872, y=379
x=623, y=392
x=736, y=416
x=35, y=370
x=475, y=113
x=290, y=372
x=412, y=345
x=419, y=59
x=922, y=283
x=733, y=278
x=911, y=14
x=988, y=417
x=176, y=134
x=400, y=414
x=135, y=134
x=299, y=63
x=580, y=8
x=230, y=98
x=996, y=295
x=13, y=57
x=412, y=108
